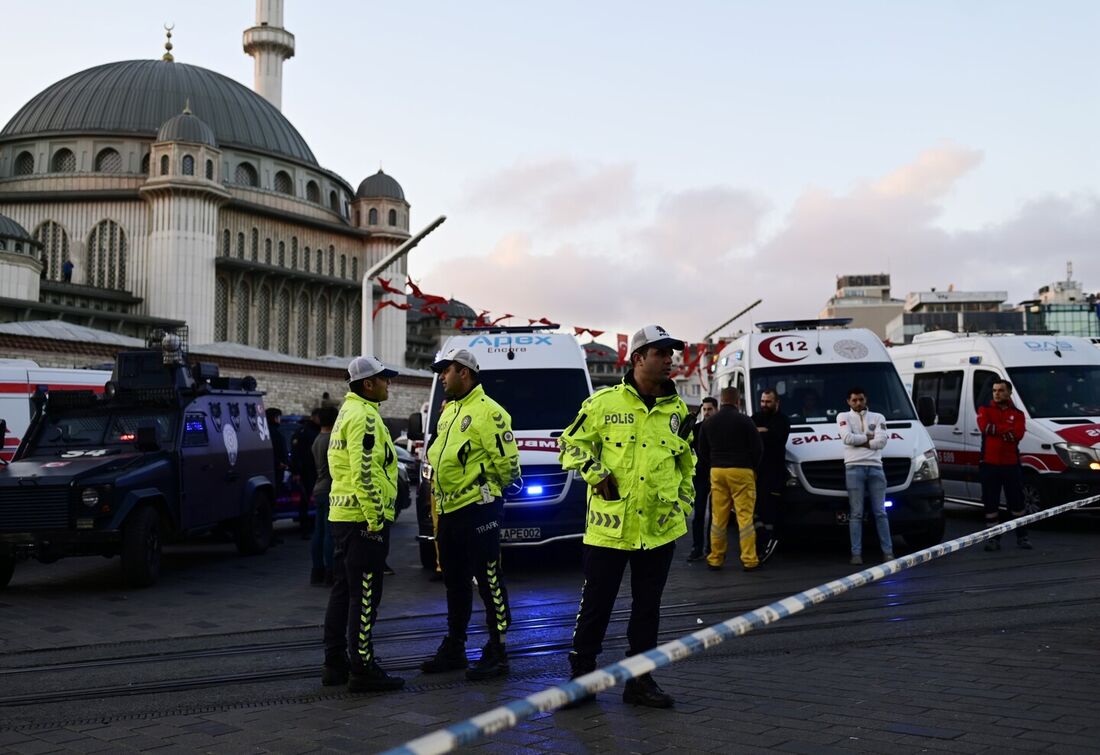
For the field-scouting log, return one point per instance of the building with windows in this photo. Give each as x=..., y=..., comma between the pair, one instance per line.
x=427, y=332
x=956, y=311
x=180, y=196
x=1063, y=307
x=603, y=365
x=866, y=300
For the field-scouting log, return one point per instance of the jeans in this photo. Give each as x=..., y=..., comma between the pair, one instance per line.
x=321, y=545
x=867, y=480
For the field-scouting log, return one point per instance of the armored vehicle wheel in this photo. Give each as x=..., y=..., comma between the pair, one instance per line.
x=427, y=555
x=7, y=568
x=926, y=538
x=253, y=533
x=141, y=547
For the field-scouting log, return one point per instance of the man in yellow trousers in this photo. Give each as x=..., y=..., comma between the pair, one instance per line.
x=730, y=451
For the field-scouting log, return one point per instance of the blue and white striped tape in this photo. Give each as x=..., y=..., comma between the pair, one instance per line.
x=552, y=698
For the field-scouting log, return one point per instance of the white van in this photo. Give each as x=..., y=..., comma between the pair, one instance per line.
x=812, y=364
x=20, y=379
x=1056, y=382
x=540, y=378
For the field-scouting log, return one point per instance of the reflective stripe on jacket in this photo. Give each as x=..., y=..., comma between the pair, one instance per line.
x=473, y=446
x=363, y=463
x=653, y=466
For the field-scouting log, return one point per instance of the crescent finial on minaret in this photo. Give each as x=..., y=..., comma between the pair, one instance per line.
x=168, y=43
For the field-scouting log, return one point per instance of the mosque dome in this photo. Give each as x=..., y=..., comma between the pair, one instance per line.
x=187, y=127
x=135, y=97
x=10, y=230
x=380, y=185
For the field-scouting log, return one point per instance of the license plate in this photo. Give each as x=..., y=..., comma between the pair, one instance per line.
x=517, y=534
x=842, y=517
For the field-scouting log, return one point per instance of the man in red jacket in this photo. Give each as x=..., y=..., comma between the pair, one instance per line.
x=1002, y=427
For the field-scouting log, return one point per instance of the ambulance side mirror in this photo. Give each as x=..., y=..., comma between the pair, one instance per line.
x=416, y=427
x=926, y=410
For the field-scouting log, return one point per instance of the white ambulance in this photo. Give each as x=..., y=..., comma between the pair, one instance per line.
x=540, y=378
x=21, y=378
x=812, y=364
x=1056, y=382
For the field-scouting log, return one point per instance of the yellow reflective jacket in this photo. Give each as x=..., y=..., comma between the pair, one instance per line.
x=653, y=465
x=473, y=446
x=363, y=463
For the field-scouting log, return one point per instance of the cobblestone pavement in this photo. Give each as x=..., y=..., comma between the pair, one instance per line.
x=973, y=653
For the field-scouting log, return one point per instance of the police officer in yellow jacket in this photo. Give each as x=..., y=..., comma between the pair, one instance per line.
x=630, y=443
x=363, y=463
x=474, y=458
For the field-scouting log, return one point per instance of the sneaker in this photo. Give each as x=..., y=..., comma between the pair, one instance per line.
x=373, y=679
x=1024, y=543
x=992, y=545
x=645, y=691
x=754, y=567
x=493, y=662
x=769, y=550
x=695, y=555
x=714, y=567
x=317, y=576
x=887, y=556
x=451, y=656
x=856, y=560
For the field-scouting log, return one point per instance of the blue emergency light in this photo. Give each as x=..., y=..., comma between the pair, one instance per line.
x=975, y=360
x=534, y=490
x=888, y=504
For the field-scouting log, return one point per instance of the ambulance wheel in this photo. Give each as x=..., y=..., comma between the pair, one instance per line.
x=254, y=527
x=7, y=568
x=926, y=538
x=1033, y=494
x=141, y=547
x=427, y=555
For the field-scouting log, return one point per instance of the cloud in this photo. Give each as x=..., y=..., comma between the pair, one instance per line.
x=559, y=194
x=931, y=175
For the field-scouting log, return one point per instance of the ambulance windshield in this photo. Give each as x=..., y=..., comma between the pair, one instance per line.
x=1062, y=391
x=817, y=393
x=536, y=399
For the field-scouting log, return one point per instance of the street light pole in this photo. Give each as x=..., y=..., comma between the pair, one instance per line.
x=366, y=344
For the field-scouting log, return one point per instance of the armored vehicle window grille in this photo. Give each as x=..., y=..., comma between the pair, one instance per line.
x=321, y=316
x=34, y=508
x=339, y=315
x=194, y=431
x=188, y=165
x=283, y=322
x=244, y=306
x=106, y=266
x=55, y=245
x=24, y=164
x=830, y=474
x=108, y=161
x=263, y=318
x=303, y=326
x=64, y=161
x=221, y=310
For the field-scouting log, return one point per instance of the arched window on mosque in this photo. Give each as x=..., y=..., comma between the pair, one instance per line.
x=282, y=324
x=393, y=217
x=305, y=259
x=209, y=170
x=267, y=251
x=221, y=310
x=303, y=325
x=355, y=314
x=164, y=165
x=106, y=256
x=55, y=247
x=254, y=248
x=320, y=260
x=343, y=266
x=358, y=217
x=282, y=254
x=334, y=201
x=145, y=163
x=283, y=183
x=108, y=161
x=293, y=252
x=313, y=192
x=321, y=317
x=64, y=161
x=24, y=164
x=227, y=244
x=240, y=246
x=246, y=175
x=339, y=314
x=188, y=166
x=263, y=318
x=244, y=305
x=332, y=260
x=372, y=216
x=355, y=268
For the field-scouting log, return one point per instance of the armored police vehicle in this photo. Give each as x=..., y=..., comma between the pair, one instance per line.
x=540, y=378
x=168, y=450
x=811, y=364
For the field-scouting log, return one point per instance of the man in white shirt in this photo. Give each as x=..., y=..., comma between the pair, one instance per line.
x=864, y=435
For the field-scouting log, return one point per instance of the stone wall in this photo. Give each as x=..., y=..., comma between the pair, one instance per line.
x=293, y=388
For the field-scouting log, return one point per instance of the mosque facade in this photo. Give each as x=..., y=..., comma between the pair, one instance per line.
x=154, y=193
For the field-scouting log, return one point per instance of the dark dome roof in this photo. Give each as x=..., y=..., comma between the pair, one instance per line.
x=381, y=185
x=137, y=96
x=187, y=127
x=9, y=229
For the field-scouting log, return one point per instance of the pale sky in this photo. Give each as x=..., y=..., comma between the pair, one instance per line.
x=608, y=164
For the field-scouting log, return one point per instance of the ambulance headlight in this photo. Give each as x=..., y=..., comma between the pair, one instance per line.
x=1075, y=456
x=792, y=475
x=928, y=468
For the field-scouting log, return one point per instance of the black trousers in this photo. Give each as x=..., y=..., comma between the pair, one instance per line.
x=603, y=574
x=469, y=547
x=1010, y=479
x=357, y=591
x=700, y=532
x=769, y=494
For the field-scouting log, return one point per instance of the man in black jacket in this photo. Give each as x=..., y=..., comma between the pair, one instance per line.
x=701, y=482
x=730, y=451
x=774, y=429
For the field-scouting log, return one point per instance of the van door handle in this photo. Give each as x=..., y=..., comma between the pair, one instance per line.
x=956, y=431
x=975, y=433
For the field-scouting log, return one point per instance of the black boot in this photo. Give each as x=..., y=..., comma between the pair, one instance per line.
x=335, y=671
x=493, y=662
x=317, y=576
x=644, y=691
x=579, y=666
x=451, y=656
x=371, y=678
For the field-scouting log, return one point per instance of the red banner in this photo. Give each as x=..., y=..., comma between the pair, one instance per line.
x=623, y=344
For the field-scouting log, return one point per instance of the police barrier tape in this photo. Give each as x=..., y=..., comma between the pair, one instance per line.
x=507, y=716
